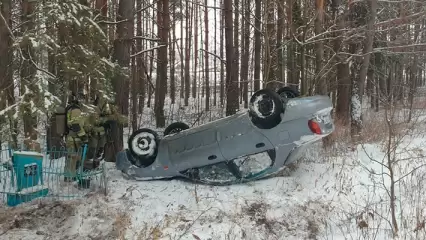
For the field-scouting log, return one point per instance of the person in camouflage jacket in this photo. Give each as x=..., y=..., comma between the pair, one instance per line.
x=104, y=114
x=77, y=136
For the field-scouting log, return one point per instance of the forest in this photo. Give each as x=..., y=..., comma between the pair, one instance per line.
x=204, y=56
x=162, y=61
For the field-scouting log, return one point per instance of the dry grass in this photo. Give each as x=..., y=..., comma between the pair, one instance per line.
x=419, y=102
x=42, y=218
x=375, y=130
x=308, y=220
x=120, y=225
x=257, y=212
x=155, y=231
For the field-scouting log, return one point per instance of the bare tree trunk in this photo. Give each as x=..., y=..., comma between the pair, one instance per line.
x=163, y=21
x=270, y=56
x=135, y=87
x=321, y=85
x=257, y=45
x=56, y=87
x=241, y=45
x=380, y=78
x=302, y=56
x=28, y=72
x=140, y=60
x=173, y=57
x=291, y=48
x=112, y=15
x=390, y=166
x=222, y=71
x=151, y=62
x=280, y=28
x=246, y=52
x=6, y=79
x=122, y=49
x=159, y=88
x=342, y=68
x=188, y=52
x=206, y=46
x=6, y=68
x=215, y=59
x=303, y=67
x=182, y=59
x=358, y=87
x=102, y=9
x=413, y=74
x=236, y=19
x=194, y=80
x=297, y=23
x=370, y=85
x=231, y=83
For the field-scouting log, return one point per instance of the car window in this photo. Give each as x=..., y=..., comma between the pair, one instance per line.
x=216, y=173
x=232, y=171
x=253, y=164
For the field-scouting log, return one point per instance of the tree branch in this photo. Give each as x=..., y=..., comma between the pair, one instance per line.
x=410, y=172
x=214, y=55
x=147, y=50
x=147, y=38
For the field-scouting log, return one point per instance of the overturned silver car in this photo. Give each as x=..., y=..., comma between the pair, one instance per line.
x=278, y=126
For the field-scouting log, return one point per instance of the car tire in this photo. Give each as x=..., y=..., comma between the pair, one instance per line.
x=175, y=128
x=143, y=144
x=265, y=109
x=288, y=92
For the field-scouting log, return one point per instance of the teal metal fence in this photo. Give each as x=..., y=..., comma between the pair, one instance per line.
x=56, y=174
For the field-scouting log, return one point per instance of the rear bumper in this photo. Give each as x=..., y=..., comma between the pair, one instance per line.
x=296, y=153
x=301, y=146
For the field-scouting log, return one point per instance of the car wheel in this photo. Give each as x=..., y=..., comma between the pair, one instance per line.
x=265, y=109
x=288, y=92
x=143, y=144
x=175, y=128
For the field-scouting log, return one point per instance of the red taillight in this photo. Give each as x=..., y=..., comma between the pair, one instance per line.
x=314, y=126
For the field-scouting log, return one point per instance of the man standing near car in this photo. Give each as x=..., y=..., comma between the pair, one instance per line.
x=76, y=137
x=105, y=114
x=97, y=140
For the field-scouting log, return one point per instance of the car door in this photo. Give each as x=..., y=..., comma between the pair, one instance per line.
x=239, y=137
x=197, y=149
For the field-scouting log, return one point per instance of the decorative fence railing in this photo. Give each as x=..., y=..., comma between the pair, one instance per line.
x=57, y=174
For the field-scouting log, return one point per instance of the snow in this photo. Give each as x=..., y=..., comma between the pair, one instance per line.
x=356, y=107
x=30, y=153
x=5, y=160
x=32, y=189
